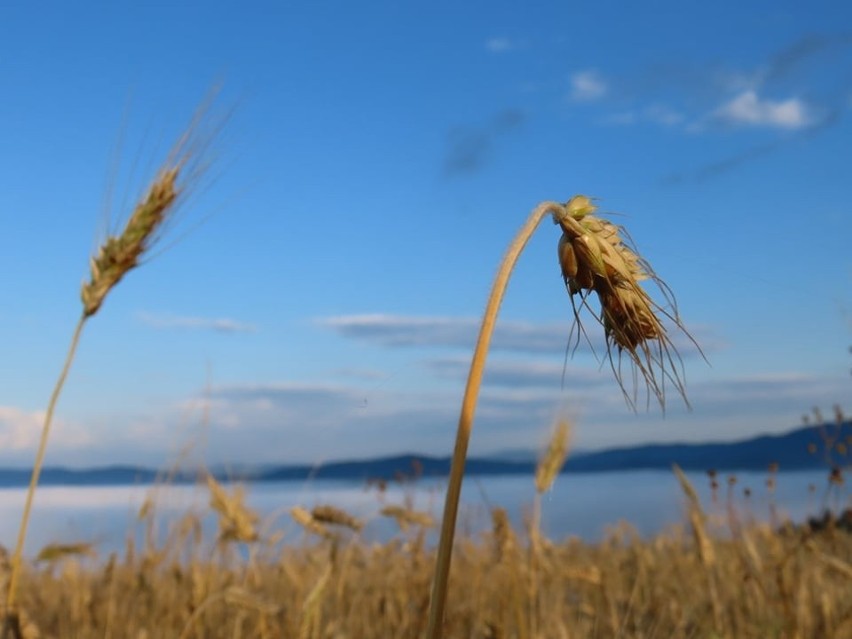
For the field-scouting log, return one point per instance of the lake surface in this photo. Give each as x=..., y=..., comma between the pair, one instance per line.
x=580, y=505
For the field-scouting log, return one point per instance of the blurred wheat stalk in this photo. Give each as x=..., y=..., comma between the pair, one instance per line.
x=594, y=255
x=118, y=255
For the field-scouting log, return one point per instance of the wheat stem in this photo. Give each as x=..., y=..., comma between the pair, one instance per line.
x=474, y=379
x=34, y=477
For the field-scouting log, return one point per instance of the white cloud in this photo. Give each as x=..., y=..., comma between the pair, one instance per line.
x=587, y=86
x=21, y=430
x=499, y=45
x=222, y=325
x=749, y=109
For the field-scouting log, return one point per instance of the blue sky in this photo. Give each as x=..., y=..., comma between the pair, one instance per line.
x=323, y=298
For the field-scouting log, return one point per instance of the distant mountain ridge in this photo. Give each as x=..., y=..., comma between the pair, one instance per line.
x=810, y=447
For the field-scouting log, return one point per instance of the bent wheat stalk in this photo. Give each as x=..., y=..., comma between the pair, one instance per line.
x=117, y=255
x=593, y=256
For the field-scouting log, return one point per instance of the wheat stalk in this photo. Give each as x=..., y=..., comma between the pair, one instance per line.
x=593, y=256
x=116, y=256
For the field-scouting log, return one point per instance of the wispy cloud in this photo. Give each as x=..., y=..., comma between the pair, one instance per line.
x=665, y=115
x=395, y=331
x=659, y=114
x=272, y=423
x=796, y=90
x=366, y=374
x=622, y=118
x=805, y=71
x=221, y=325
x=718, y=167
x=520, y=373
x=315, y=422
x=795, y=55
x=500, y=45
x=587, y=86
x=784, y=393
x=712, y=169
x=748, y=108
x=19, y=430
x=745, y=109
x=470, y=148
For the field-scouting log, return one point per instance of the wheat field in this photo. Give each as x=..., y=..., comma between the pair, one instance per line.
x=756, y=580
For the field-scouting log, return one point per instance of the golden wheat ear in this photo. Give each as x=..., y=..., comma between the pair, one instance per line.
x=237, y=522
x=331, y=515
x=598, y=256
x=179, y=174
x=406, y=516
x=119, y=254
x=311, y=524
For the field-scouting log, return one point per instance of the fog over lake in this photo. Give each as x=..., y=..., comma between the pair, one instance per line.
x=581, y=505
